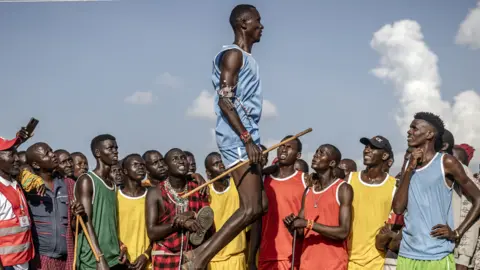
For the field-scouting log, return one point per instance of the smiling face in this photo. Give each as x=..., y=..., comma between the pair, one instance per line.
x=107, y=152
x=373, y=156
x=65, y=163
x=288, y=153
x=134, y=168
x=9, y=163
x=177, y=163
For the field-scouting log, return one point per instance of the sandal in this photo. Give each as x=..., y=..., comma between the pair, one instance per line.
x=205, y=220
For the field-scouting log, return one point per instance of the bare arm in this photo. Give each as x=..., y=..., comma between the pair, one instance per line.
x=453, y=167
x=341, y=232
x=232, y=61
x=84, y=194
x=153, y=209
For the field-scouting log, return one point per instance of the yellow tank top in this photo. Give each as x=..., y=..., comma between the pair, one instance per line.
x=132, y=229
x=372, y=204
x=224, y=204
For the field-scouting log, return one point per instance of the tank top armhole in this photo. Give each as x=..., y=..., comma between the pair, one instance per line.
x=336, y=192
x=349, y=181
x=216, y=60
x=443, y=173
x=93, y=185
x=303, y=180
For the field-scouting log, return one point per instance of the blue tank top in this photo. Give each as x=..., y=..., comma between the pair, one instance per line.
x=248, y=100
x=429, y=204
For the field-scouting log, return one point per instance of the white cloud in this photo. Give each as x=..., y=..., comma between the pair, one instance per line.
x=408, y=63
x=202, y=106
x=469, y=31
x=269, y=109
x=140, y=98
x=167, y=79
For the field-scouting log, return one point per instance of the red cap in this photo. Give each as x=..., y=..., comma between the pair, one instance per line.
x=6, y=144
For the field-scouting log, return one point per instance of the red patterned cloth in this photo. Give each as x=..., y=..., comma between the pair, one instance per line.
x=171, y=244
x=47, y=263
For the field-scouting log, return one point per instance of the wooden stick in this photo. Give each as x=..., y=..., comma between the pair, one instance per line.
x=227, y=172
x=74, y=266
x=84, y=228
x=294, y=243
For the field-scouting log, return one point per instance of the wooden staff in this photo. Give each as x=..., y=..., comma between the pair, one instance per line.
x=84, y=228
x=227, y=172
x=74, y=266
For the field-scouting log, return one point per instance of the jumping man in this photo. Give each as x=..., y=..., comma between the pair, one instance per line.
x=238, y=105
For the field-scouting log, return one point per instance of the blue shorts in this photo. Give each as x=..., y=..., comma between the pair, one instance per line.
x=233, y=156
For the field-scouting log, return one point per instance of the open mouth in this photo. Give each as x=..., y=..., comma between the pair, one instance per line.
x=283, y=156
x=181, y=168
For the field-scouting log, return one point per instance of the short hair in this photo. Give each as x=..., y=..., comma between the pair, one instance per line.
x=448, y=138
x=98, y=139
x=350, y=163
x=302, y=164
x=337, y=155
x=127, y=158
x=436, y=122
x=188, y=153
x=56, y=152
x=149, y=152
x=31, y=152
x=167, y=155
x=238, y=13
x=212, y=154
x=463, y=158
x=299, y=143
x=77, y=154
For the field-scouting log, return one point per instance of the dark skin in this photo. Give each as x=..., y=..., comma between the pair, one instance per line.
x=22, y=156
x=65, y=163
x=324, y=164
x=421, y=136
x=9, y=167
x=347, y=165
x=192, y=164
x=117, y=174
x=177, y=169
x=135, y=171
x=80, y=164
x=45, y=162
x=461, y=155
x=106, y=155
x=156, y=167
x=214, y=168
x=247, y=178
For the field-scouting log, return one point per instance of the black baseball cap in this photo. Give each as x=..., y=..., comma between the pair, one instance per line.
x=379, y=142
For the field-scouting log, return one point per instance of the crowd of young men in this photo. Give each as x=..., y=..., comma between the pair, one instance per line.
x=140, y=212
x=340, y=218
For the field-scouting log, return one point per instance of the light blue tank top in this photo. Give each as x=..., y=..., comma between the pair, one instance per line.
x=429, y=204
x=248, y=101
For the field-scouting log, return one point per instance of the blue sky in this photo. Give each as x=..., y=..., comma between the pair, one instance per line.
x=74, y=65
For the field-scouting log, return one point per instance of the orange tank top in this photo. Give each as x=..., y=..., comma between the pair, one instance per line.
x=284, y=197
x=320, y=252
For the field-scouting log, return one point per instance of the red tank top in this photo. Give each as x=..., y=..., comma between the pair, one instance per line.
x=284, y=197
x=320, y=252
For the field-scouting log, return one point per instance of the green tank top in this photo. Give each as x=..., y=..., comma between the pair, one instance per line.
x=104, y=220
